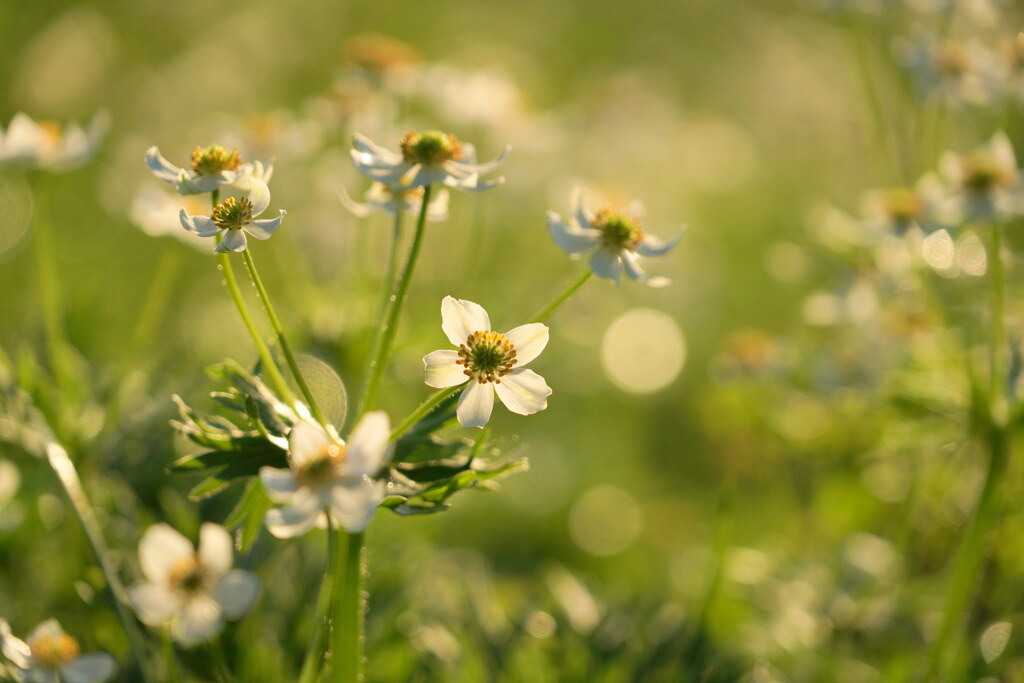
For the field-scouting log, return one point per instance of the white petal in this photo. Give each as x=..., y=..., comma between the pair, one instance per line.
x=199, y=225
x=584, y=219
x=652, y=246
x=474, y=183
x=297, y=518
x=440, y=369
x=14, y=649
x=160, y=549
x=153, y=603
x=263, y=229
x=353, y=505
x=572, y=240
x=475, y=405
x=215, y=547
x=234, y=240
x=48, y=629
x=633, y=270
x=89, y=669
x=437, y=210
x=606, y=263
x=161, y=168
x=306, y=442
x=529, y=341
x=491, y=165
x=460, y=318
x=368, y=444
x=524, y=392
x=199, y=620
x=280, y=484
x=355, y=208
x=1002, y=151
x=236, y=593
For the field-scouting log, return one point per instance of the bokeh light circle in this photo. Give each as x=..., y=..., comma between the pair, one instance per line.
x=643, y=350
x=605, y=520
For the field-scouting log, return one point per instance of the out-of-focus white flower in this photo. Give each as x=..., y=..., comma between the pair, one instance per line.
x=49, y=655
x=381, y=197
x=156, y=212
x=192, y=590
x=425, y=159
x=211, y=167
x=895, y=210
x=616, y=238
x=955, y=72
x=984, y=183
x=241, y=202
x=492, y=363
x=328, y=479
x=38, y=144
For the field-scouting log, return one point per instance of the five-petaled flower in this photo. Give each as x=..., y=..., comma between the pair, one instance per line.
x=49, y=655
x=240, y=203
x=490, y=361
x=425, y=159
x=211, y=167
x=328, y=479
x=391, y=199
x=616, y=238
x=36, y=144
x=192, y=590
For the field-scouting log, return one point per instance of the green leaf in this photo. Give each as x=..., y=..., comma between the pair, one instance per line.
x=248, y=514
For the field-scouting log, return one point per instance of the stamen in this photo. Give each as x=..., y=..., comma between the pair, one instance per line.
x=487, y=356
x=431, y=148
x=232, y=214
x=54, y=652
x=328, y=464
x=618, y=231
x=208, y=161
x=189, y=576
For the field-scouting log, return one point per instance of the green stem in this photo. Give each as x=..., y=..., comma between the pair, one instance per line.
x=220, y=662
x=275, y=322
x=350, y=600
x=389, y=324
x=998, y=341
x=547, y=310
x=156, y=298
x=49, y=291
x=315, y=649
x=170, y=659
x=68, y=476
x=424, y=408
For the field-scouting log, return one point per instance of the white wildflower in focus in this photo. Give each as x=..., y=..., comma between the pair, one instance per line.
x=49, y=655
x=328, y=479
x=211, y=167
x=192, y=590
x=156, y=213
x=426, y=158
x=45, y=145
x=952, y=71
x=491, y=362
x=240, y=203
x=984, y=183
x=615, y=237
x=389, y=199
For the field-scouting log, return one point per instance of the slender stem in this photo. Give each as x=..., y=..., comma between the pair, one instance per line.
x=220, y=662
x=156, y=298
x=424, y=408
x=68, y=476
x=170, y=659
x=315, y=650
x=49, y=291
x=275, y=322
x=389, y=324
x=998, y=342
x=347, y=653
x=545, y=312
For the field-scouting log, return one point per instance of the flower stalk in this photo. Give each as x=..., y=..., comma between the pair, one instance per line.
x=350, y=610
x=314, y=658
x=545, y=312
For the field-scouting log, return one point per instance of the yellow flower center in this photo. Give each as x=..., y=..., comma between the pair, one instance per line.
x=232, y=214
x=377, y=53
x=431, y=148
x=487, y=356
x=54, y=652
x=190, y=576
x=327, y=465
x=901, y=204
x=982, y=173
x=207, y=161
x=618, y=231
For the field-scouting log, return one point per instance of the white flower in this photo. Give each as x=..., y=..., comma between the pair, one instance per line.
x=49, y=655
x=389, y=199
x=425, y=159
x=895, y=210
x=211, y=167
x=952, y=71
x=984, y=183
x=240, y=203
x=491, y=361
x=328, y=478
x=617, y=236
x=156, y=213
x=46, y=145
x=192, y=590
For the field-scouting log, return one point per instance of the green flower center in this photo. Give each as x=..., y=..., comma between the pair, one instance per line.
x=326, y=466
x=487, y=356
x=208, y=161
x=431, y=148
x=190, y=576
x=232, y=214
x=618, y=231
x=901, y=204
x=982, y=173
x=54, y=652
